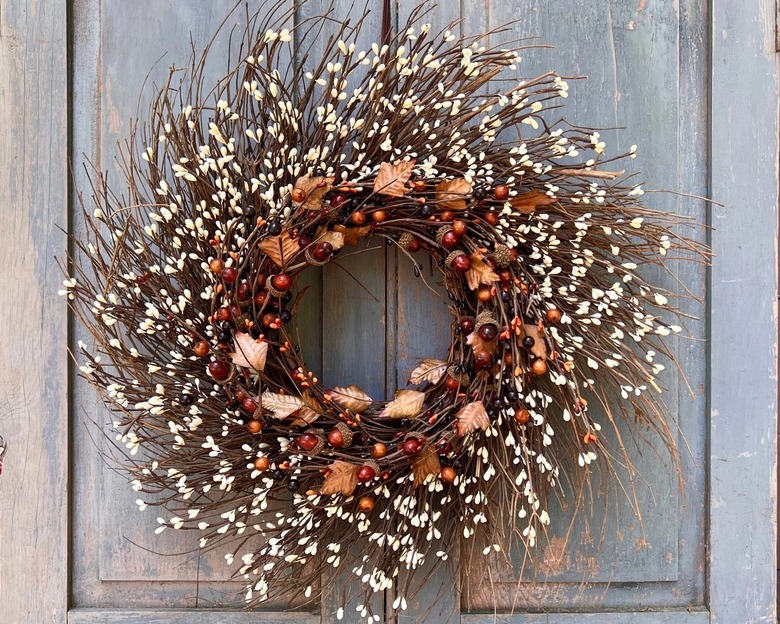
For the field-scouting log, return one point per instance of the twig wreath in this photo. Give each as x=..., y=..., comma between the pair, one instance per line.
x=186, y=283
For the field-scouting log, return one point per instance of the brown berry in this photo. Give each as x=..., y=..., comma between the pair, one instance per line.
x=448, y=474
x=484, y=294
x=448, y=215
x=459, y=227
x=260, y=298
x=522, y=416
x=449, y=240
x=358, y=217
x=269, y=318
x=281, y=282
x=461, y=263
x=419, y=186
x=378, y=450
x=336, y=438
x=216, y=265
x=379, y=215
x=366, y=504
x=201, y=348
x=254, y=426
x=223, y=314
x=452, y=383
x=219, y=370
x=298, y=195
x=501, y=192
x=249, y=404
x=491, y=216
x=365, y=474
x=553, y=315
x=539, y=366
x=262, y=463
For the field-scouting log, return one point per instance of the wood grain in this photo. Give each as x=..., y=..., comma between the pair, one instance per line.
x=743, y=356
x=34, y=364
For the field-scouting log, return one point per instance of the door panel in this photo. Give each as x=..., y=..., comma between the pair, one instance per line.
x=368, y=320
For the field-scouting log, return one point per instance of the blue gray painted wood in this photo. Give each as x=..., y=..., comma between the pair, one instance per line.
x=702, y=129
x=33, y=360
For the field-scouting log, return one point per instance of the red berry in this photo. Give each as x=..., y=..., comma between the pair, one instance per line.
x=450, y=239
x=488, y=332
x=337, y=200
x=249, y=405
x=448, y=215
x=501, y=192
x=452, y=383
x=281, y=282
x=461, y=263
x=466, y=325
x=260, y=298
x=491, y=217
x=244, y=292
x=415, y=245
x=482, y=359
x=219, y=370
x=522, y=416
x=304, y=241
x=223, y=314
x=229, y=275
x=365, y=474
x=322, y=251
x=412, y=446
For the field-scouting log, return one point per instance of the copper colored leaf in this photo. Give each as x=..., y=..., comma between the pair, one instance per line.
x=315, y=188
x=391, y=179
x=472, y=417
x=280, y=405
x=425, y=464
x=280, y=248
x=342, y=479
x=249, y=352
x=428, y=370
x=451, y=194
x=527, y=203
x=310, y=412
x=352, y=398
x=480, y=272
x=540, y=345
x=333, y=237
x=407, y=403
x=353, y=235
x=477, y=344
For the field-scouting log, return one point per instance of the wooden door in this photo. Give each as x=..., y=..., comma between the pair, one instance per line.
x=696, y=90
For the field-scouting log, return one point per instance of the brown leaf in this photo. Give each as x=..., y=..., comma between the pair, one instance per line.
x=472, y=417
x=353, y=235
x=249, y=352
x=310, y=412
x=407, y=403
x=527, y=203
x=280, y=248
x=314, y=187
x=480, y=272
x=391, y=179
x=352, y=398
x=540, y=344
x=342, y=479
x=451, y=194
x=429, y=370
x=280, y=405
x=425, y=464
x=477, y=344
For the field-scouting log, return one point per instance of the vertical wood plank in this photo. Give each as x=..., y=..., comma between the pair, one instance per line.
x=743, y=355
x=33, y=376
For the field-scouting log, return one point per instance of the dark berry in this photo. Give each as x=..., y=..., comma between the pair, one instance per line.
x=186, y=400
x=274, y=228
x=529, y=342
x=293, y=485
x=285, y=316
x=278, y=474
x=479, y=193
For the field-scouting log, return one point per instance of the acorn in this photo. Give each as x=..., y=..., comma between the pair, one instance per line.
x=367, y=471
x=407, y=240
x=412, y=446
x=311, y=441
x=501, y=256
x=340, y=436
x=458, y=261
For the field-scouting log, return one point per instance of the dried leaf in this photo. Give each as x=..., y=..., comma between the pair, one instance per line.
x=353, y=235
x=249, y=352
x=477, y=344
x=280, y=405
x=342, y=479
x=391, y=179
x=425, y=464
x=472, y=417
x=429, y=370
x=540, y=344
x=335, y=238
x=527, y=203
x=310, y=412
x=352, y=398
x=315, y=188
x=480, y=272
x=407, y=403
x=451, y=194
x=280, y=248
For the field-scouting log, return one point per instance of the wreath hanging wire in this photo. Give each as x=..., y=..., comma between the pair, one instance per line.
x=185, y=281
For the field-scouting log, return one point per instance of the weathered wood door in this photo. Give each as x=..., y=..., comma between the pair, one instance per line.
x=696, y=89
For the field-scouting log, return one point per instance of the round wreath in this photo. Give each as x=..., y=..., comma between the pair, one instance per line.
x=186, y=283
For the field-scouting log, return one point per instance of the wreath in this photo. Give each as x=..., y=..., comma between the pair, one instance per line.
x=187, y=283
